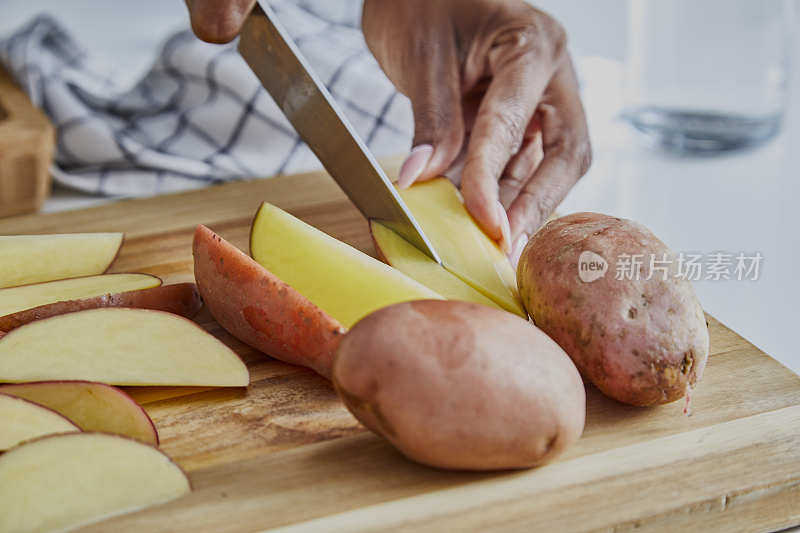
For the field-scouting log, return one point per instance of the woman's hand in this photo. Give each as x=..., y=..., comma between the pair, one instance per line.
x=495, y=100
x=496, y=105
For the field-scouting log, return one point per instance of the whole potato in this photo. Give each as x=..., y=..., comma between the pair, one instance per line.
x=641, y=341
x=460, y=385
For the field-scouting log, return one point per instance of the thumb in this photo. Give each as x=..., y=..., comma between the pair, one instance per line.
x=438, y=121
x=216, y=21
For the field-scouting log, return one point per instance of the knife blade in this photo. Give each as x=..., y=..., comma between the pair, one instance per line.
x=283, y=71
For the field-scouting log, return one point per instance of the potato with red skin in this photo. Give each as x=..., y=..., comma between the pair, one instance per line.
x=90, y=405
x=460, y=385
x=259, y=309
x=641, y=341
x=180, y=299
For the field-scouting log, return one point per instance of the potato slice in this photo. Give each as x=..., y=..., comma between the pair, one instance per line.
x=91, y=406
x=119, y=346
x=61, y=482
x=15, y=299
x=21, y=420
x=37, y=258
x=180, y=299
x=261, y=310
x=405, y=257
x=465, y=249
x=342, y=281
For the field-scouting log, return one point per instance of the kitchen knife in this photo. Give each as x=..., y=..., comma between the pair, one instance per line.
x=276, y=61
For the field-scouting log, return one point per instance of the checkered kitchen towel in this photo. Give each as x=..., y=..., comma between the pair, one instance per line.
x=199, y=116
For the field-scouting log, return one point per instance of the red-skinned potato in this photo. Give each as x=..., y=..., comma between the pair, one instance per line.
x=180, y=299
x=68, y=481
x=90, y=405
x=640, y=341
x=460, y=385
x=22, y=420
x=119, y=346
x=259, y=309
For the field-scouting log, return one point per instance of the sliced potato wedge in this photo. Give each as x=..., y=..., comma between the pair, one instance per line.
x=37, y=258
x=15, y=299
x=405, y=257
x=119, y=346
x=465, y=249
x=180, y=299
x=61, y=482
x=22, y=420
x=91, y=406
x=342, y=281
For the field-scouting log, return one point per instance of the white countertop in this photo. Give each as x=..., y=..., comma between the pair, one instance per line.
x=743, y=202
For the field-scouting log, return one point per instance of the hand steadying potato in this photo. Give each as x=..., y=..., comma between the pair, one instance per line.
x=641, y=341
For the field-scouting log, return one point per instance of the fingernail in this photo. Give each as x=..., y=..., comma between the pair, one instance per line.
x=414, y=164
x=519, y=245
x=505, y=229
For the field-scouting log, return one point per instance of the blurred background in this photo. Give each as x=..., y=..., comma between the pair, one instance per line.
x=595, y=28
x=719, y=199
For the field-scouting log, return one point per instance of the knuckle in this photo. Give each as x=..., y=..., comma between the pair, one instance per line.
x=477, y=166
x=557, y=147
x=546, y=204
x=431, y=122
x=541, y=206
x=542, y=33
x=510, y=125
x=482, y=168
x=543, y=213
x=512, y=181
x=576, y=154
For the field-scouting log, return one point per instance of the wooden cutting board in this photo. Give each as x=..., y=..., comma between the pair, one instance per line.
x=285, y=452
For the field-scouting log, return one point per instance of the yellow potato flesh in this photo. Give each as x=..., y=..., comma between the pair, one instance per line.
x=61, y=482
x=21, y=420
x=406, y=258
x=465, y=249
x=119, y=346
x=15, y=299
x=91, y=406
x=28, y=259
x=341, y=280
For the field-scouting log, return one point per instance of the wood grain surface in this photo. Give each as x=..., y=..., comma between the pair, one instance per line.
x=285, y=453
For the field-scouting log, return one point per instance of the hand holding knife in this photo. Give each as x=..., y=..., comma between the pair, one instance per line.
x=277, y=62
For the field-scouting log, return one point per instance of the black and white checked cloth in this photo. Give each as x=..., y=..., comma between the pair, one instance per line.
x=199, y=116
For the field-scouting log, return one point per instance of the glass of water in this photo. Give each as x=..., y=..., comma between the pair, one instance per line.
x=708, y=76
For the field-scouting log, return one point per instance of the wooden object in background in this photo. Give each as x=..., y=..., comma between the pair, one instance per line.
x=27, y=142
x=285, y=451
